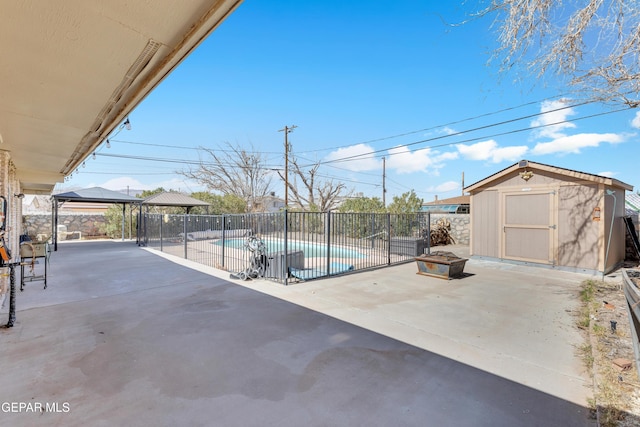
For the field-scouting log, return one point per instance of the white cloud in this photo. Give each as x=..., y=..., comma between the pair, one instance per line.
x=448, y=131
x=490, y=151
x=445, y=187
x=360, y=163
x=550, y=116
x=404, y=160
x=121, y=183
x=124, y=182
x=608, y=174
x=574, y=143
x=636, y=121
x=478, y=151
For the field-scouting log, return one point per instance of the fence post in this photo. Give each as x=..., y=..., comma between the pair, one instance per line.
x=184, y=221
x=146, y=229
x=328, y=243
x=286, y=251
x=224, y=227
x=373, y=227
x=161, y=221
x=388, y=238
x=429, y=233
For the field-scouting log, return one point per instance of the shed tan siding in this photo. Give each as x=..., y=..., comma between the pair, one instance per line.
x=485, y=221
x=578, y=233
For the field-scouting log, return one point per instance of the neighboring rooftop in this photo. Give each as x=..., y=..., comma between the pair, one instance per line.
x=459, y=204
x=632, y=203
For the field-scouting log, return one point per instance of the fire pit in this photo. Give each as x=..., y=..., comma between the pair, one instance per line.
x=444, y=265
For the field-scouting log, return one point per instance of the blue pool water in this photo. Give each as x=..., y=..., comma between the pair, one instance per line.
x=311, y=250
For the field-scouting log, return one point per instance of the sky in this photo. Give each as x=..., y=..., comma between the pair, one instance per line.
x=361, y=80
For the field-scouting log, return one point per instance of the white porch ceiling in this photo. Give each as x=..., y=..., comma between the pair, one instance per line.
x=72, y=70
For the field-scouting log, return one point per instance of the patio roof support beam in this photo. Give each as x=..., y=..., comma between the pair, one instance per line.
x=54, y=231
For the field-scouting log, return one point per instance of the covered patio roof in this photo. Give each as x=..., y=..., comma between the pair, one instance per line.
x=73, y=70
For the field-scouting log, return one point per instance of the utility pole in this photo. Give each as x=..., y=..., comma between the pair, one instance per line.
x=384, y=179
x=286, y=130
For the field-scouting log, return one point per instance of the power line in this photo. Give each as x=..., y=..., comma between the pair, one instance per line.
x=127, y=173
x=455, y=122
x=182, y=147
x=376, y=153
x=371, y=153
x=362, y=142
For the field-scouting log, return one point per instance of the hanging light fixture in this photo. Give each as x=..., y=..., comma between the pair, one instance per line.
x=127, y=124
x=108, y=144
x=94, y=155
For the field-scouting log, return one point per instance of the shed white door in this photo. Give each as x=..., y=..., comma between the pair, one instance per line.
x=529, y=226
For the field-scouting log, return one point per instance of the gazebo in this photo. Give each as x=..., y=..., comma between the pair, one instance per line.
x=92, y=195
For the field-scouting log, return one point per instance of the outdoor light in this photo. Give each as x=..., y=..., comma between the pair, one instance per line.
x=526, y=175
x=19, y=195
x=84, y=165
x=108, y=144
x=127, y=124
x=94, y=156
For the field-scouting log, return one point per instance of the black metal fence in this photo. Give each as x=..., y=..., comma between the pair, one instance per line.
x=317, y=244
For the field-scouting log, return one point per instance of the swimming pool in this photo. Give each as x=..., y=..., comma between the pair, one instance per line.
x=311, y=250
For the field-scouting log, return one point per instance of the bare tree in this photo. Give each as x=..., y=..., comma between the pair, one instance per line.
x=233, y=171
x=314, y=193
x=594, y=43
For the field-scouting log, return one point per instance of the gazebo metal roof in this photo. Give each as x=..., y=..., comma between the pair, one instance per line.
x=170, y=198
x=96, y=195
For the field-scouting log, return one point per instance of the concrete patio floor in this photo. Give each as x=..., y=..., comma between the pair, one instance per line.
x=128, y=336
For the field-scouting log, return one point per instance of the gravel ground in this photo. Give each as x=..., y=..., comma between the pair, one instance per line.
x=617, y=388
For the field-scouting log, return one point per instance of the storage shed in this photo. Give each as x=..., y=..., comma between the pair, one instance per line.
x=536, y=213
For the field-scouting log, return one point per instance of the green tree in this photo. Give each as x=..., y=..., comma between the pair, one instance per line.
x=362, y=204
x=112, y=226
x=408, y=202
x=149, y=193
x=219, y=204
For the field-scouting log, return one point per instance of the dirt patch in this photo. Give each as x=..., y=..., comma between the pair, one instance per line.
x=608, y=353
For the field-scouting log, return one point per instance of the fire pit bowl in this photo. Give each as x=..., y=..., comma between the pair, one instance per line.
x=443, y=265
